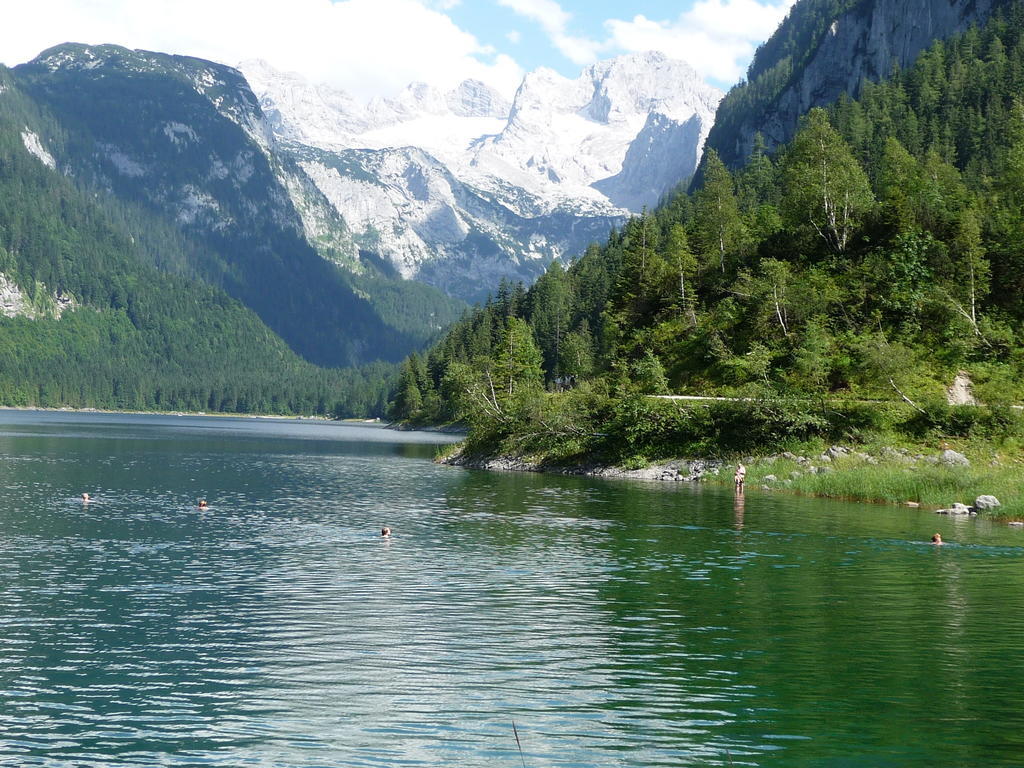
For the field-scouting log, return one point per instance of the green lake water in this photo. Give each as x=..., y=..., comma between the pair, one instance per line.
x=617, y=624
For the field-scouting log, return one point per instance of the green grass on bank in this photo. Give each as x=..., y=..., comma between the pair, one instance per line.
x=885, y=479
x=894, y=449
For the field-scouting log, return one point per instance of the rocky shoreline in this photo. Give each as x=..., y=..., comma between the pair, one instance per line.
x=696, y=470
x=447, y=429
x=673, y=471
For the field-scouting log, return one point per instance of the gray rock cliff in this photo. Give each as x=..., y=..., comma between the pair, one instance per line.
x=864, y=43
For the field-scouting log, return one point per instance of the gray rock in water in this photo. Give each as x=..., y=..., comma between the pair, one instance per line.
x=986, y=502
x=954, y=459
x=956, y=509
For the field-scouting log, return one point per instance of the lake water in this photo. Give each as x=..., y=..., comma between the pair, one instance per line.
x=616, y=624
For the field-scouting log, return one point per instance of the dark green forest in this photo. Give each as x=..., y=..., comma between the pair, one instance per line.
x=843, y=280
x=132, y=336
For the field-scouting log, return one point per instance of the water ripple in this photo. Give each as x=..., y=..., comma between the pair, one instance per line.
x=617, y=625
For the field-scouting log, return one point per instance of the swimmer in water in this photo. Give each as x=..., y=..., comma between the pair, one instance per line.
x=85, y=498
x=203, y=504
x=385, y=532
x=936, y=539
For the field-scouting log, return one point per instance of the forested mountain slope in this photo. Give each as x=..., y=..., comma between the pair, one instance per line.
x=825, y=48
x=871, y=258
x=88, y=319
x=184, y=140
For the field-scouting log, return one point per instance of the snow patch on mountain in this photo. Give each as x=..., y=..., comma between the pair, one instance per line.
x=32, y=143
x=179, y=133
x=122, y=162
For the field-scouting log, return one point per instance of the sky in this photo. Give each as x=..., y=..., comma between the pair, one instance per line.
x=376, y=47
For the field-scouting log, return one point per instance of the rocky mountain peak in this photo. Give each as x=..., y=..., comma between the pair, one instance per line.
x=641, y=83
x=473, y=98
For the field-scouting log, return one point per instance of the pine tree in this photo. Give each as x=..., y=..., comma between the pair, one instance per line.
x=824, y=186
x=718, y=228
x=518, y=368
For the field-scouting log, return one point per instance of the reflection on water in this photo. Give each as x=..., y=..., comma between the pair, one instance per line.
x=739, y=506
x=617, y=624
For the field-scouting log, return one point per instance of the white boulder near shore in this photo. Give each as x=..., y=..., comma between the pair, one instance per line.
x=981, y=504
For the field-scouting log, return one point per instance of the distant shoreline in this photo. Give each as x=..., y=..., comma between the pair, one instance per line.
x=214, y=414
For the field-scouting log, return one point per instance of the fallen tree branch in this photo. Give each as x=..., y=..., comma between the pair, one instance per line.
x=906, y=399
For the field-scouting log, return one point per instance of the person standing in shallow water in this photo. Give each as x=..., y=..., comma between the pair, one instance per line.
x=740, y=478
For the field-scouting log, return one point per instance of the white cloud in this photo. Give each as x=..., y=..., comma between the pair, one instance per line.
x=554, y=20
x=513, y=36
x=717, y=37
x=367, y=47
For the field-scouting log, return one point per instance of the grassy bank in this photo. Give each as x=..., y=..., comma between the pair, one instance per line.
x=881, y=475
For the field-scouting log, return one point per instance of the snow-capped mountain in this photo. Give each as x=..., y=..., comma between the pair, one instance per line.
x=564, y=137
x=461, y=187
